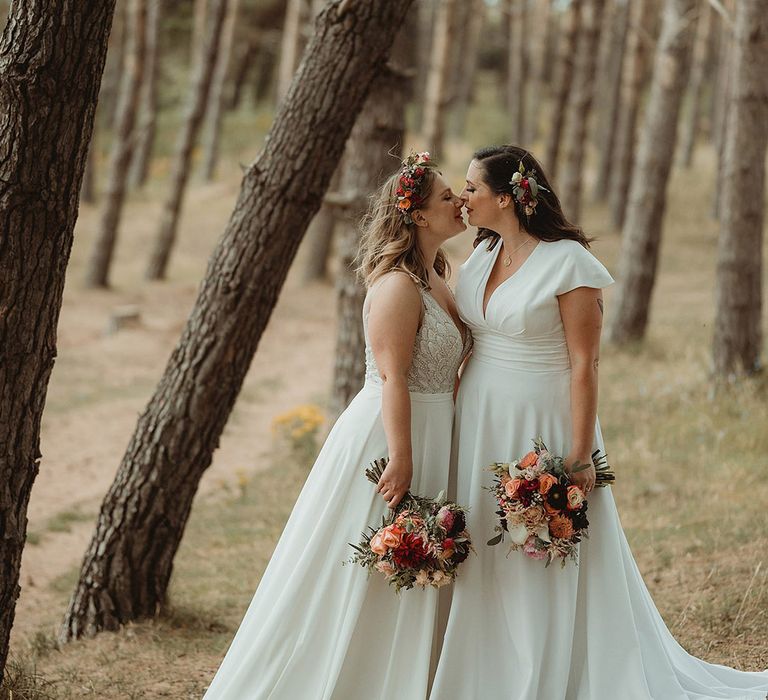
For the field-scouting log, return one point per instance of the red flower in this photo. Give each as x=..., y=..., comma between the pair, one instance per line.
x=419, y=172
x=410, y=553
x=524, y=183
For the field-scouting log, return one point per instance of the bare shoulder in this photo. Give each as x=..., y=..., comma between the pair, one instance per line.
x=396, y=290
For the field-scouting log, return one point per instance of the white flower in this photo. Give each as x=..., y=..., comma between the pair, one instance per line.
x=516, y=178
x=543, y=533
x=518, y=534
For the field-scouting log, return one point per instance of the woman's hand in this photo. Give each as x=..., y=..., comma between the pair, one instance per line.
x=395, y=481
x=584, y=478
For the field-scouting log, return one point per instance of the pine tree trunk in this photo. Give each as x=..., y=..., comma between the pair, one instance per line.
x=541, y=33
x=199, y=16
x=632, y=88
x=517, y=69
x=566, y=62
x=148, y=124
x=724, y=87
x=608, y=104
x=379, y=132
x=648, y=192
x=438, y=90
x=319, y=239
x=216, y=95
x=297, y=15
x=182, y=162
x=244, y=60
x=49, y=86
x=579, y=108
x=109, y=100
x=738, y=337
x=97, y=273
x=128, y=564
x=701, y=64
x=467, y=63
x=423, y=23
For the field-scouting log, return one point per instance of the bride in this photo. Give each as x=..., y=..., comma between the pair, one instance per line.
x=316, y=629
x=530, y=293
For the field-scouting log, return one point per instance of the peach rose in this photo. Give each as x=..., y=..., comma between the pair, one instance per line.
x=575, y=498
x=529, y=460
x=546, y=482
x=391, y=536
x=377, y=545
x=511, y=487
x=561, y=526
x=422, y=578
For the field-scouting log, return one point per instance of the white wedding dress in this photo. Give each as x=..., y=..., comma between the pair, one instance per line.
x=517, y=630
x=315, y=629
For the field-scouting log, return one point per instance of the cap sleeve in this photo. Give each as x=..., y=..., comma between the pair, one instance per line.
x=579, y=268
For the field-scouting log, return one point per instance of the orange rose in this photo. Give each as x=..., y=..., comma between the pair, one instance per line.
x=575, y=497
x=377, y=545
x=546, y=482
x=511, y=487
x=551, y=509
x=561, y=526
x=404, y=203
x=391, y=536
x=529, y=460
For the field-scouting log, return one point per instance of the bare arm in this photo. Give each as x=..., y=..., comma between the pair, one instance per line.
x=582, y=313
x=392, y=325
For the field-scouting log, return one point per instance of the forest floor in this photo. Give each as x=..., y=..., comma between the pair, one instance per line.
x=691, y=463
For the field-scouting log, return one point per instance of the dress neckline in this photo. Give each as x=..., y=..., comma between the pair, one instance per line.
x=486, y=277
x=447, y=313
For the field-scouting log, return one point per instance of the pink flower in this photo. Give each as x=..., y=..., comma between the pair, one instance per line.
x=445, y=518
x=532, y=550
x=385, y=568
x=391, y=536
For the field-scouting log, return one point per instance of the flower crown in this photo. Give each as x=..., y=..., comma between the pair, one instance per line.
x=525, y=189
x=409, y=191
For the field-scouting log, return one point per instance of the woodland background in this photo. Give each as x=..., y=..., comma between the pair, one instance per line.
x=169, y=387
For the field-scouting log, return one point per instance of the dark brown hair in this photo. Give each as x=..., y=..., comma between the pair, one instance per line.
x=547, y=223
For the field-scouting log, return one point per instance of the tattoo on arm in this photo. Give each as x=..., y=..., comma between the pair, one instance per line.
x=600, y=304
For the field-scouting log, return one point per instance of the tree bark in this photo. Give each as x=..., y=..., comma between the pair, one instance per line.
x=579, y=108
x=109, y=102
x=148, y=124
x=608, y=103
x=648, y=194
x=244, y=59
x=738, y=336
x=541, y=33
x=216, y=95
x=632, y=88
x=438, y=90
x=724, y=87
x=182, y=162
x=319, y=239
x=517, y=68
x=423, y=23
x=378, y=134
x=467, y=63
x=97, y=272
x=199, y=16
x=49, y=86
x=297, y=15
x=128, y=564
x=566, y=61
x=701, y=66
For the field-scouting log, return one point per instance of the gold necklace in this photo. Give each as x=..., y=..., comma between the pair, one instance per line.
x=507, y=259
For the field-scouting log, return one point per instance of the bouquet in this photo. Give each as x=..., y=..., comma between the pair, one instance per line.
x=543, y=512
x=421, y=542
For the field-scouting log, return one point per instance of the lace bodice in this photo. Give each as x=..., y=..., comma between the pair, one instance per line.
x=438, y=350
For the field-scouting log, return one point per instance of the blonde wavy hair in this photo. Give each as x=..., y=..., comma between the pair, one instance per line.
x=388, y=243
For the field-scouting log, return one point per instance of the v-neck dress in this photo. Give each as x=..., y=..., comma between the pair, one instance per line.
x=518, y=630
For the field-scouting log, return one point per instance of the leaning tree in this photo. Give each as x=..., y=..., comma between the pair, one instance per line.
x=128, y=563
x=49, y=85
